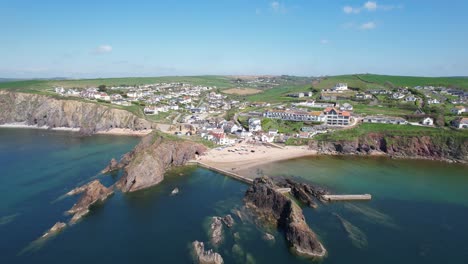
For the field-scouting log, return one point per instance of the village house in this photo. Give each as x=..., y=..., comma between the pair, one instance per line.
x=458, y=110
x=150, y=110
x=433, y=101
x=255, y=125
x=273, y=132
x=300, y=95
x=296, y=115
x=336, y=118
x=340, y=87
x=460, y=122
x=346, y=107
x=398, y=96
x=385, y=120
x=363, y=96
x=427, y=121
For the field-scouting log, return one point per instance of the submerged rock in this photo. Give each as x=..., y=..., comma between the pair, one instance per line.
x=205, y=257
x=228, y=220
x=356, y=235
x=175, y=191
x=216, y=230
x=59, y=226
x=268, y=237
x=273, y=207
x=91, y=193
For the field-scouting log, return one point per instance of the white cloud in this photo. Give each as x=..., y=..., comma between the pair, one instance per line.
x=275, y=5
x=351, y=10
x=103, y=49
x=278, y=7
x=370, y=6
x=324, y=41
x=368, y=26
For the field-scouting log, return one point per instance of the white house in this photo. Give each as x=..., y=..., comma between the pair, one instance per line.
x=340, y=87
x=433, y=101
x=273, y=132
x=427, y=121
x=346, y=107
x=255, y=124
x=460, y=122
x=458, y=110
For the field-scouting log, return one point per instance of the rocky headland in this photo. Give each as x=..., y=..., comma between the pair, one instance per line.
x=146, y=164
x=45, y=111
x=273, y=207
x=446, y=148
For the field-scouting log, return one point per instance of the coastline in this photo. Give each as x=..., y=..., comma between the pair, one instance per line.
x=112, y=132
x=239, y=159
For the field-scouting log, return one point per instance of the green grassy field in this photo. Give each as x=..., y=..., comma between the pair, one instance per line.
x=373, y=81
x=278, y=94
x=393, y=130
x=41, y=86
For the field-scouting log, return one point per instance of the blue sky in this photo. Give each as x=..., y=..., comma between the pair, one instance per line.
x=51, y=38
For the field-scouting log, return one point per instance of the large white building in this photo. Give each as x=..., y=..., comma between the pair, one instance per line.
x=255, y=124
x=337, y=118
x=340, y=87
x=316, y=116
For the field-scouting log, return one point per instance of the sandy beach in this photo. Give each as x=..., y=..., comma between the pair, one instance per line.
x=125, y=132
x=239, y=158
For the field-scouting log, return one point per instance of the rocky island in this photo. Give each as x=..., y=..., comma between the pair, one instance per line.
x=273, y=207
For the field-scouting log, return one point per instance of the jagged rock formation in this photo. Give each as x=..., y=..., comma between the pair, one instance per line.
x=91, y=193
x=145, y=165
x=228, y=220
x=306, y=193
x=59, y=226
x=41, y=110
x=205, y=257
x=421, y=147
x=216, y=230
x=273, y=207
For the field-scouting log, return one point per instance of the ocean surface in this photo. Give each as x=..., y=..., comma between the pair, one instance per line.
x=418, y=214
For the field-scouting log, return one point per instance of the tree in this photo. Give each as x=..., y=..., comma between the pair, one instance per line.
x=102, y=88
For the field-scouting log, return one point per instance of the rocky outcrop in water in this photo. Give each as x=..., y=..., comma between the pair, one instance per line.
x=273, y=207
x=216, y=230
x=205, y=257
x=146, y=164
x=90, y=194
x=228, y=220
x=41, y=110
x=443, y=147
x=306, y=193
x=59, y=226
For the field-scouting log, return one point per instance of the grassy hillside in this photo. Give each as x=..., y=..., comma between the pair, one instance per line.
x=393, y=130
x=373, y=81
x=40, y=86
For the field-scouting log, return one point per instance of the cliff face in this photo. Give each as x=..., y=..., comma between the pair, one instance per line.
x=423, y=147
x=42, y=110
x=145, y=165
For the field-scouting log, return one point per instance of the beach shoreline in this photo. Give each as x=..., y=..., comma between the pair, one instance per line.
x=240, y=159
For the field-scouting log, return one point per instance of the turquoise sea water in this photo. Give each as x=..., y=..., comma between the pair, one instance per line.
x=418, y=214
